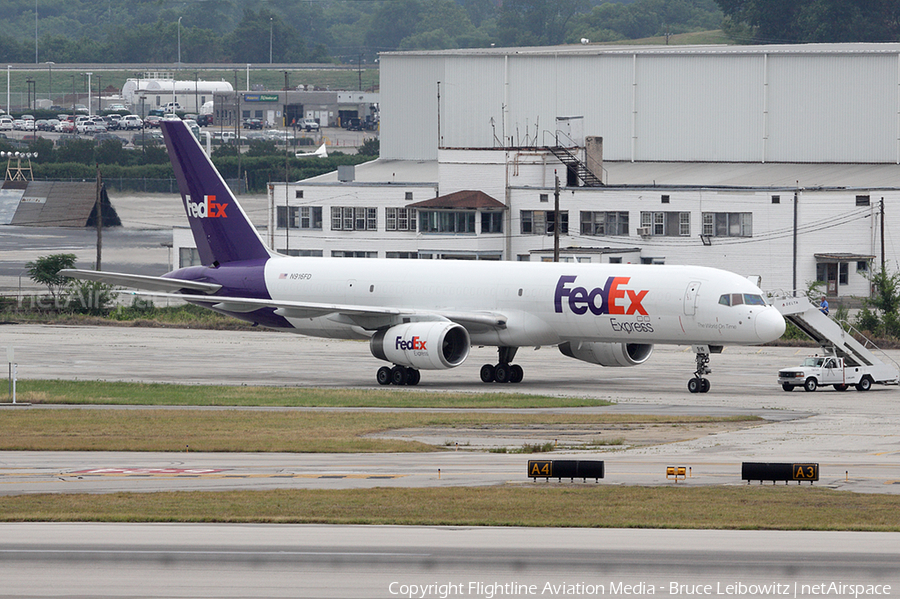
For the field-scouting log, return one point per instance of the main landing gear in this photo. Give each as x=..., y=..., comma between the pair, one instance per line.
x=503, y=372
x=698, y=384
x=398, y=375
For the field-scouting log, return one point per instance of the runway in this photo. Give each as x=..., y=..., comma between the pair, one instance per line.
x=178, y=560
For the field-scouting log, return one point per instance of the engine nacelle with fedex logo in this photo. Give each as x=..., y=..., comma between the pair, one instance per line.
x=423, y=345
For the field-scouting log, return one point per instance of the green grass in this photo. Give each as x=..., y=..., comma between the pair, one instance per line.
x=163, y=394
x=261, y=430
x=748, y=507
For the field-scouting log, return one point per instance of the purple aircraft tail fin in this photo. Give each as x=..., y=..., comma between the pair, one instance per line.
x=221, y=229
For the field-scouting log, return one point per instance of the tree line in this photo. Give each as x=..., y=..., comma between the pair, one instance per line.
x=213, y=31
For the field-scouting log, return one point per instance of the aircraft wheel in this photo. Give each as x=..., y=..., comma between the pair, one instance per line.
x=413, y=376
x=704, y=385
x=865, y=383
x=398, y=375
x=787, y=386
x=384, y=375
x=502, y=373
x=487, y=373
x=694, y=385
x=516, y=374
x=811, y=384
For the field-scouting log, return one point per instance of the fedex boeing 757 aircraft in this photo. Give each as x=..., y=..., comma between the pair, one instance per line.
x=425, y=315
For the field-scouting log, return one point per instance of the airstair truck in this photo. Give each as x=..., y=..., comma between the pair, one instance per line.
x=845, y=362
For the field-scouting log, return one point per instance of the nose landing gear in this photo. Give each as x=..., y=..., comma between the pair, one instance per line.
x=698, y=384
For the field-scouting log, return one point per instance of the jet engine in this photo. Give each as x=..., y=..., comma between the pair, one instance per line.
x=608, y=354
x=422, y=345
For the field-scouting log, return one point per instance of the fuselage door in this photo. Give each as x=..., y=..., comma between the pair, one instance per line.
x=690, y=298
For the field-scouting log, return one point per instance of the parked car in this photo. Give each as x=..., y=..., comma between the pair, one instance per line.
x=130, y=121
x=205, y=120
x=116, y=107
x=253, y=124
x=309, y=124
x=7, y=124
x=64, y=127
x=354, y=124
x=101, y=137
x=172, y=107
x=152, y=121
x=43, y=125
x=81, y=108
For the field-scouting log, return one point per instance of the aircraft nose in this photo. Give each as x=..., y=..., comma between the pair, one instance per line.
x=769, y=325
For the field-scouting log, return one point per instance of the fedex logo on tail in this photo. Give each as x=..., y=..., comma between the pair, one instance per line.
x=208, y=208
x=612, y=298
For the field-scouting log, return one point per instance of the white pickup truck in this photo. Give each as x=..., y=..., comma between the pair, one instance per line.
x=826, y=370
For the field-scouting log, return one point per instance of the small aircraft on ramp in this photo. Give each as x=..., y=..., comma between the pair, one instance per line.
x=425, y=315
x=321, y=152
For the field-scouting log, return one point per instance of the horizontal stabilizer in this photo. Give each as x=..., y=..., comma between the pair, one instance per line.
x=148, y=283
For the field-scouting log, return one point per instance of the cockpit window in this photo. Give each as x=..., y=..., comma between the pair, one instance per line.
x=736, y=299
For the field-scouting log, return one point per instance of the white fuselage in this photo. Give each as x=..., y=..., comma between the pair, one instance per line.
x=542, y=303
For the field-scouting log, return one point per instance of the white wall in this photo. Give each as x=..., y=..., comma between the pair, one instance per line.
x=810, y=103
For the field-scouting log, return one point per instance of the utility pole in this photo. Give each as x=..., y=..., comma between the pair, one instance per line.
x=99, y=205
x=882, y=234
x=556, y=218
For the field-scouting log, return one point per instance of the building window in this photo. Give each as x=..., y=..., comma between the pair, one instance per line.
x=409, y=196
x=862, y=201
x=350, y=218
x=446, y=221
x=665, y=199
x=491, y=222
x=728, y=224
x=862, y=266
x=304, y=253
x=299, y=217
x=670, y=224
x=402, y=255
x=540, y=222
x=843, y=273
x=523, y=258
x=604, y=223
x=399, y=219
x=298, y=194
x=776, y=199
x=351, y=254
x=615, y=260
x=545, y=197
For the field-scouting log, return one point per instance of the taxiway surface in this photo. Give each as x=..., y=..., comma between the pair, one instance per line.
x=852, y=435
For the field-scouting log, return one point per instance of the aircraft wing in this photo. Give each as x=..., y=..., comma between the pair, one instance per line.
x=140, y=281
x=367, y=317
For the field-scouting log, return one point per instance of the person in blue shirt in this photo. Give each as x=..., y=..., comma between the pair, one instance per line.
x=823, y=307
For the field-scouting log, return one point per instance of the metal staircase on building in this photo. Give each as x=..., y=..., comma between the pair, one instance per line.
x=835, y=340
x=573, y=164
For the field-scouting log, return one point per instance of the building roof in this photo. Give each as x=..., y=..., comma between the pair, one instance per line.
x=597, y=49
x=664, y=174
x=467, y=198
x=386, y=172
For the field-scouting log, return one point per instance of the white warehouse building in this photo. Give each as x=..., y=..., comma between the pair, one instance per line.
x=776, y=161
